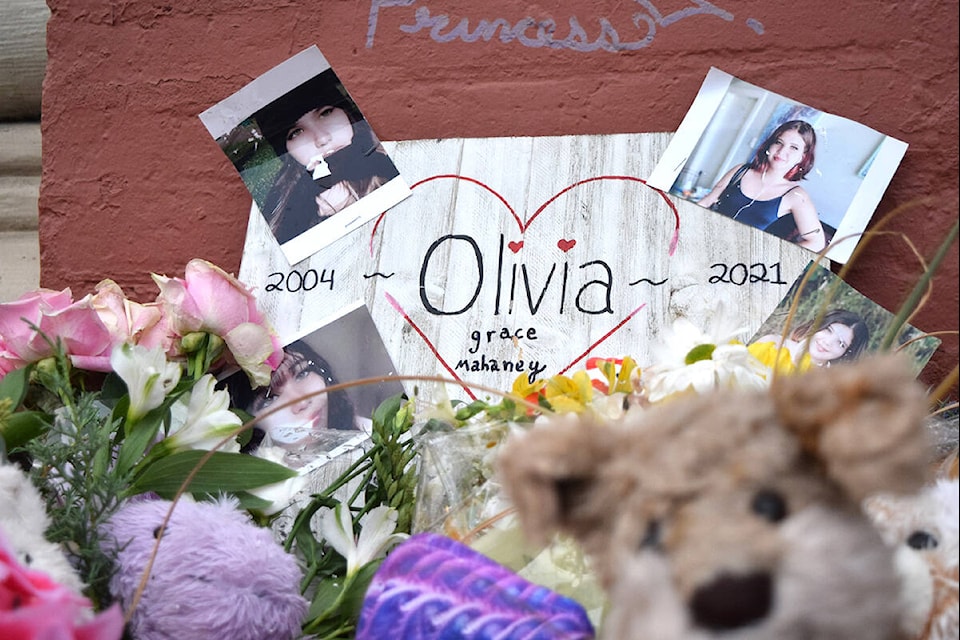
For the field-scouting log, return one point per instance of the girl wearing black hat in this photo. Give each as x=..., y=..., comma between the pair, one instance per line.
x=331, y=157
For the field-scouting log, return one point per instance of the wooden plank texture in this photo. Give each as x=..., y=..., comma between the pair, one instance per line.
x=605, y=265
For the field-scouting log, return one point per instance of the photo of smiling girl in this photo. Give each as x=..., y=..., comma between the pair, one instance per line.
x=828, y=322
x=778, y=165
x=841, y=336
x=330, y=156
x=767, y=188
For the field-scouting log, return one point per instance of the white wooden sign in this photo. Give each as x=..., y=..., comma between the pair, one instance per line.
x=526, y=256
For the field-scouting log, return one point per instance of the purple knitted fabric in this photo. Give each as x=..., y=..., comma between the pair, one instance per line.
x=434, y=588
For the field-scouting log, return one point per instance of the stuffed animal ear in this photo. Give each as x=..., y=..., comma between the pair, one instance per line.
x=553, y=473
x=864, y=421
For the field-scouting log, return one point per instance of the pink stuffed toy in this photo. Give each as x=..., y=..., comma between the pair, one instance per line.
x=216, y=574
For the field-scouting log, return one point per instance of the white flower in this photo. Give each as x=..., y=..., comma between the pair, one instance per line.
x=376, y=534
x=691, y=360
x=147, y=374
x=279, y=494
x=202, y=418
x=684, y=336
x=728, y=366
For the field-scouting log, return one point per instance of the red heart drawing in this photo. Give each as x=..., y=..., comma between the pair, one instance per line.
x=564, y=245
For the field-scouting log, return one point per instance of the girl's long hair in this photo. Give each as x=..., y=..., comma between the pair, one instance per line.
x=291, y=206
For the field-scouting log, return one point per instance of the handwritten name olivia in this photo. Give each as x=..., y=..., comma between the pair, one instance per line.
x=534, y=33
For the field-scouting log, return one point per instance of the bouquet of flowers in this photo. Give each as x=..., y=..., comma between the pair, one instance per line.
x=112, y=409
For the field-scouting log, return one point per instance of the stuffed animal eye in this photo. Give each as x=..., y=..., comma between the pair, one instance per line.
x=769, y=505
x=156, y=532
x=651, y=537
x=921, y=540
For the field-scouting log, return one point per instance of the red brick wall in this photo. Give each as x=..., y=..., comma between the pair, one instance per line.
x=132, y=183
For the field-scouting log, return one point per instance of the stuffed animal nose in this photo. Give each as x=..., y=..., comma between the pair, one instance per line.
x=732, y=601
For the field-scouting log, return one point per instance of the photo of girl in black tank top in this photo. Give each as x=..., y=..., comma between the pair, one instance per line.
x=766, y=189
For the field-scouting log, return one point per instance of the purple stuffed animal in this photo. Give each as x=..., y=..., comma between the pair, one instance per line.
x=216, y=574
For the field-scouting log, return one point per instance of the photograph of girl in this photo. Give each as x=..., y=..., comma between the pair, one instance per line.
x=767, y=188
x=775, y=164
x=301, y=423
x=305, y=422
x=306, y=153
x=330, y=157
x=832, y=323
x=840, y=336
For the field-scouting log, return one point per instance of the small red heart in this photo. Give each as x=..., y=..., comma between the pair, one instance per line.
x=515, y=246
x=565, y=245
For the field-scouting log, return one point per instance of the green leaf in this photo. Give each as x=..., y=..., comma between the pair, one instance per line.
x=355, y=592
x=23, y=426
x=141, y=436
x=112, y=390
x=387, y=411
x=472, y=409
x=14, y=385
x=120, y=409
x=308, y=546
x=222, y=472
x=326, y=596
x=251, y=502
x=243, y=438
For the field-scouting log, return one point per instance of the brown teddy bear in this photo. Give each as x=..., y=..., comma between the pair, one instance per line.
x=735, y=515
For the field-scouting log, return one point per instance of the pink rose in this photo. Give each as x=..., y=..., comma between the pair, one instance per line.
x=84, y=336
x=33, y=607
x=210, y=300
x=129, y=321
x=20, y=344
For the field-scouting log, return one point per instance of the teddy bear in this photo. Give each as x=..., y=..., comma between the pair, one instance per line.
x=923, y=529
x=215, y=575
x=734, y=514
x=24, y=521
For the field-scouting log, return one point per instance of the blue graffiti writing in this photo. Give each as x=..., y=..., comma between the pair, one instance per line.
x=533, y=33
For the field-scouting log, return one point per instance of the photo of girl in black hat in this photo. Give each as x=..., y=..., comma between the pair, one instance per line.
x=330, y=156
x=306, y=154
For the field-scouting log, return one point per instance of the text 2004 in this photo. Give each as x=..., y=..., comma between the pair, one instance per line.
x=296, y=281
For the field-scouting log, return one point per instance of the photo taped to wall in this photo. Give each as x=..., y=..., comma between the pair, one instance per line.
x=776, y=164
x=310, y=159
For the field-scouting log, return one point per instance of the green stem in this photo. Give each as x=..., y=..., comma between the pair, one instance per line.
x=303, y=518
x=911, y=302
x=356, y=492
x=311, y=626
x=346, y=627
x=309, y=576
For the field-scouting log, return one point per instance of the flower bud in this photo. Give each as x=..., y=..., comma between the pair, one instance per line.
x=193, y=342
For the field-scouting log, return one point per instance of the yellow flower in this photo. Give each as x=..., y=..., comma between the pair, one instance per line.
x=615, y=374
x=524, y=388
x=569, y=394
